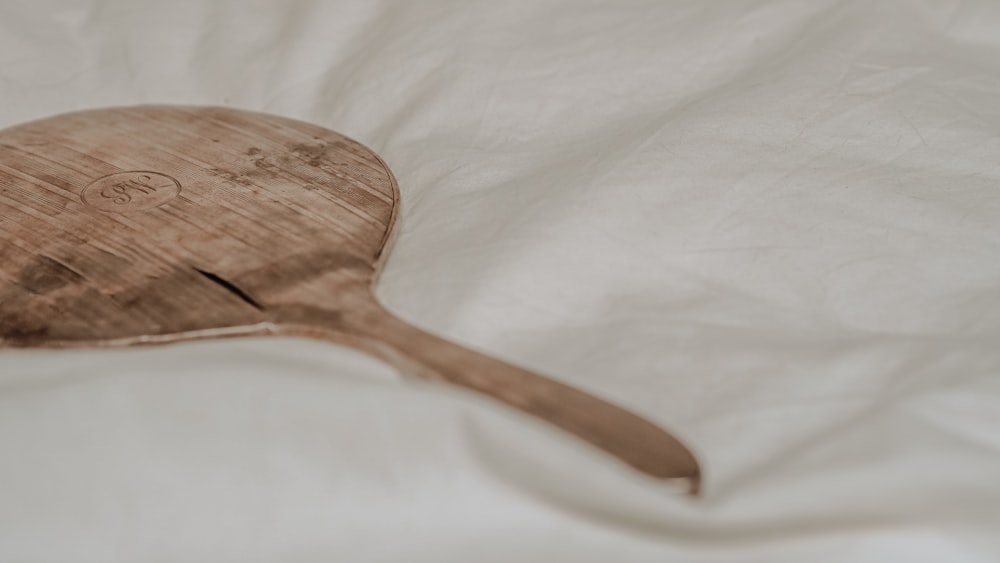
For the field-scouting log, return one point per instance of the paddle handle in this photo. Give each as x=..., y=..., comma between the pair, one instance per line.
x=630, y=438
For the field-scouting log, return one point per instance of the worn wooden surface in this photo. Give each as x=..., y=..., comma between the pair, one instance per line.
x=158, y=224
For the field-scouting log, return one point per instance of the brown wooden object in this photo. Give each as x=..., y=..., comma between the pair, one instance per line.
x=158, y=224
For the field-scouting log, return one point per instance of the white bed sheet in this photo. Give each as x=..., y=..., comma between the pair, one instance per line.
x=770, y=227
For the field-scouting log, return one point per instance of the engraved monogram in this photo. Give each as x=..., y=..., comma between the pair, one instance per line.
x=131, y=191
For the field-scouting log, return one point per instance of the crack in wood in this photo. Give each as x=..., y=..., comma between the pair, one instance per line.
x=231, y=288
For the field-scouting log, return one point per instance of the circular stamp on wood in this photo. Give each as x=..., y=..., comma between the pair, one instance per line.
x=130, y=191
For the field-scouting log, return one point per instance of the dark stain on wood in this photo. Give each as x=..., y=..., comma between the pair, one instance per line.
x=43, y=274
x=21, y=327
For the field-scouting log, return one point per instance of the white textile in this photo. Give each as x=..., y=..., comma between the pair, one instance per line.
x=771, y=227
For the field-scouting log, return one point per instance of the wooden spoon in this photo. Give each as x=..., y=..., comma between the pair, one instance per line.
x=157, y=224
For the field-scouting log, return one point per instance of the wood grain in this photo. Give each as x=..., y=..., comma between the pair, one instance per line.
x=156, y=224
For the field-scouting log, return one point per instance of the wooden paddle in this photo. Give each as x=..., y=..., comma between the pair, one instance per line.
x=157, y=224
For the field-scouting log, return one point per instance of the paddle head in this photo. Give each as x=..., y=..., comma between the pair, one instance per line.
x=157, y=224
x=163, y=223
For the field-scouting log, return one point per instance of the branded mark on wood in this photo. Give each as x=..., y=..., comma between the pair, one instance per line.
x=130, y=191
